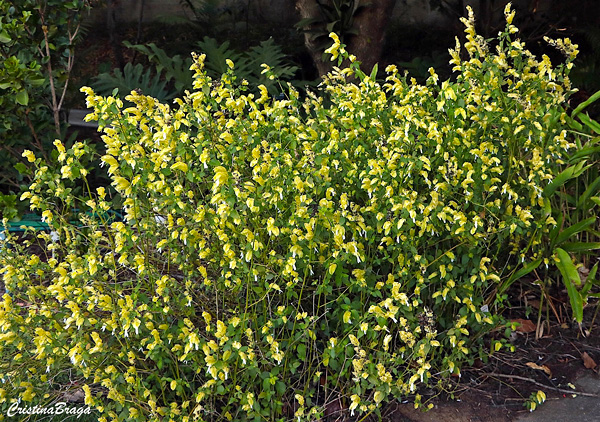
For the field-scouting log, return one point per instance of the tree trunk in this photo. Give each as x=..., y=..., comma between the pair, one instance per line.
x=309, y=9
x=370, y=22
x=113, y=33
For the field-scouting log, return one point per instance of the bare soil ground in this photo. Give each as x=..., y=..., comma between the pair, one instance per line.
x=496, y=391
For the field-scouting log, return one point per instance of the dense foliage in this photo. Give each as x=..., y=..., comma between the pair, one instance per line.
x=277, y=255
x=37, y=51
x=172, y=76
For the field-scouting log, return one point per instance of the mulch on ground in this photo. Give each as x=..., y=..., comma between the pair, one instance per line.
x=495, y=391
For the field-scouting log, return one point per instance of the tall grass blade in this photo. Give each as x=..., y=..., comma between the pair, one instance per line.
x=571, y=279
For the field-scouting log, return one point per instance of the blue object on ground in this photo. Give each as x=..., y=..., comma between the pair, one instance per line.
x=33, y=221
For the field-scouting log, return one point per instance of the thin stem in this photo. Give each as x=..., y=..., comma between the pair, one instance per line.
x=51, y=79
x=539, y=320
x=38, y=144
x=594, y=318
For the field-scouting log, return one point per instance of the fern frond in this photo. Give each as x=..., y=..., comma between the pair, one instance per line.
x=175, y=70
x=216, y=56
x=133, y=78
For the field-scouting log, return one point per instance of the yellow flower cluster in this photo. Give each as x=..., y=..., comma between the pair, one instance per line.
x=271, y=246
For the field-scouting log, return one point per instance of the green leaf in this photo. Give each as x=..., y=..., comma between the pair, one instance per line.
x=592, y=189
x=306, y=22
x=374, y=72
x=574, y=229
x=589, y=122
x=547, y=207
x=558, y=181
x=280, y=387
x=571, y=279
x=4, y=37
x=592, y=273
x=580, y=246
x=584, y=152
x=133, y=77
x=22, y=98
x=36, y=81
x=21, y=168
x=302, y=351
x=590, y=281
x=574, y=124
x=173, y=68
x=234, y=215
x=564, y=176
x=586, y=103
x=526, y=269
x=331, y=25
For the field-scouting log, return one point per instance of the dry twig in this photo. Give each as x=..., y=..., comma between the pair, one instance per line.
x=550, y=387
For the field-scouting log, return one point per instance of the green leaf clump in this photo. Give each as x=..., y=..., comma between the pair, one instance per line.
x=37, y=52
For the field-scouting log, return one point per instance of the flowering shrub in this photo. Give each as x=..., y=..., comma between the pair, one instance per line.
x=278, y=255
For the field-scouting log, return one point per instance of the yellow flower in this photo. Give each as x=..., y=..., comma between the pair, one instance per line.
x=59, y=146
x=221, y=177
x=181, y=166
x=29, y=155
x=334, y=50
x=355, y=401
x=221, y=329
x=540, y=396
x=47, y=216
x=509, y=15
x=272, y=229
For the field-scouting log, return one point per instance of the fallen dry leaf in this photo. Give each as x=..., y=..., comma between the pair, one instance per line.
x=583, y=274
x=334, y=409
x=588, y=362
x=544, y=368
x=525, y=326
x=74, y=396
